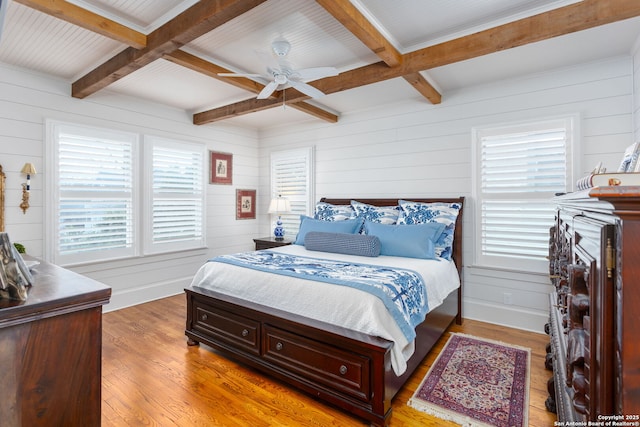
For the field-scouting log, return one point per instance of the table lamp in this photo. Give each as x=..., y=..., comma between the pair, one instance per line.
x=278, y=206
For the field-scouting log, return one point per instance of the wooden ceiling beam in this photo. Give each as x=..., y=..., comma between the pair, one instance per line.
x=354, y=21
x=88, y=20
x=199, y=19
x=565, y=20
x=210, y=69
x=420, y=83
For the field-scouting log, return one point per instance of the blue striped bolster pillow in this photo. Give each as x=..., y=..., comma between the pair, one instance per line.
x=342, y=243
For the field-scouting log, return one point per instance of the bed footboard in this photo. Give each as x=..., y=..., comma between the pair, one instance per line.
x=340, y=366
x=345, y=368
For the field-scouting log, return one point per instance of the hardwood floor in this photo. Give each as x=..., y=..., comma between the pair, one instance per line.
x=152, y=378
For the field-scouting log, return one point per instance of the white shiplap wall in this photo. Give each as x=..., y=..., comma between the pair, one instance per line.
x=417, y=149
x=27, y=99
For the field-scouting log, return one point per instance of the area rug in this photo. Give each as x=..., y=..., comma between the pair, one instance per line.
x=477, y=382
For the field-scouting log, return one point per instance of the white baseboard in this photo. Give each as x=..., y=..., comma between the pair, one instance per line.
x=129, y=297
x=511, y=316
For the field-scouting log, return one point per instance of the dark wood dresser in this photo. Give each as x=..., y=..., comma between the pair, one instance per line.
x=594, y=265
x=51, y=351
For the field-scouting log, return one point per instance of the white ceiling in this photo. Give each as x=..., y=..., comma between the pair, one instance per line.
x=46, y=44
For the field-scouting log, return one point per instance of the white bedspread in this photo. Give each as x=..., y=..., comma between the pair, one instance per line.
x=339, y=305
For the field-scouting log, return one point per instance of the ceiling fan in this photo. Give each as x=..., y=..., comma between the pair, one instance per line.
x=281, y=73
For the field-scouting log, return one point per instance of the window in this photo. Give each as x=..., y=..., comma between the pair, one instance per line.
x=95, y=187
x=292, y=177
x=175, y=199
x=518, y=169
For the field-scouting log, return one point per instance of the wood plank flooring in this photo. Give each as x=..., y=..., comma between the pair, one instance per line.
x=152, y=378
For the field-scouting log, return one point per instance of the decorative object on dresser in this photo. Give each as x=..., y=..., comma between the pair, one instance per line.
x=594, y=324
x=476, y=381
x=15, y=277
x=245, y=204
x=630, y=158
x=220, y=168
x=278, y=206
x=51, y=351
x=270, y=242
x=608, y=179
x=353, y=370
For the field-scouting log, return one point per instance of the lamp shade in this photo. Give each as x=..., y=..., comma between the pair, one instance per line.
x=279, y=205
x=29, y=169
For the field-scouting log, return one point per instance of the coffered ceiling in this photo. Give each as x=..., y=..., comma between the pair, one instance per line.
x=171, y=51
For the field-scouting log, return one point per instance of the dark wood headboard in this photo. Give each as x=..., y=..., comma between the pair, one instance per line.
x=457, y=233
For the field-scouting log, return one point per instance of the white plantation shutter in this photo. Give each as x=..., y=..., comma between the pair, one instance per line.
x=292, y=177
x=95, y=194
x=520, y=168
x=176, y=201
x=110, y=198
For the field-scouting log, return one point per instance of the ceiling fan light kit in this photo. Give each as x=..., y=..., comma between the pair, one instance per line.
x=281, y=47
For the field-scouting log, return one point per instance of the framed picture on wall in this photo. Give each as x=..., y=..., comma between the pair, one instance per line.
x=221, y=168
x=245, y=204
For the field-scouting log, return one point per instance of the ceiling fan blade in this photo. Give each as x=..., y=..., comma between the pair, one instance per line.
x=268, y=90
x=306, y=89
x=239, y=75
x=310, y=74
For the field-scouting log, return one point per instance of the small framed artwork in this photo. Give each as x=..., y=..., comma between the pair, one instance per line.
x=221, y=165
x=245, y=204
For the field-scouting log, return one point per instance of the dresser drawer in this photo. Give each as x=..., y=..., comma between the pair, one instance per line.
x=237, y=331
x=346, y=372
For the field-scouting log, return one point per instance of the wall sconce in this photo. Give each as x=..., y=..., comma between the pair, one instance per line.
x=29, y=170
x=279, y=206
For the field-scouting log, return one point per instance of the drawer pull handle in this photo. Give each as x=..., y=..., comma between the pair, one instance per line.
x=204, y=317
x=245, y=332
x=343, y=369
x=279, y=346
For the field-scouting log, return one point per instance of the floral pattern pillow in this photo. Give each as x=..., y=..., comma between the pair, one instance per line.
x=328, y=212
x=445, y=213
x=379, y=214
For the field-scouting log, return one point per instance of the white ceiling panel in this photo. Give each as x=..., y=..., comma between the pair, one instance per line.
x=167, y=83
x=419, y=23
x=141, y=15
x=46, y=44
x=572, y=49
x=316, y=38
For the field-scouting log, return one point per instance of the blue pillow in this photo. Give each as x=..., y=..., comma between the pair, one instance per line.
x=444, y=213
x=411, y=241
x=342, y=243
x=380, y=214
x=308, y=224
x=328, y=212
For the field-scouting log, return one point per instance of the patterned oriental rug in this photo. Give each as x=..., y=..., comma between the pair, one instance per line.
x=477, y=382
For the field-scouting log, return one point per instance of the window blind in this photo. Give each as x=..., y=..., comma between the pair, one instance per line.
x=177, y=206
x=291, y=177
x=112, y=197
x=95, y=193
x=521, y=168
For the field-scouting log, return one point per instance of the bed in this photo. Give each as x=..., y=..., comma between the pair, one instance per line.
x=353, y=369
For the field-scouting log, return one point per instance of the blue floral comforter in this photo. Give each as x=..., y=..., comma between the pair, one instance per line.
x=402, y=291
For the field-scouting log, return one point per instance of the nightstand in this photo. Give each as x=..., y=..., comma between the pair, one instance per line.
x=270, y=242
